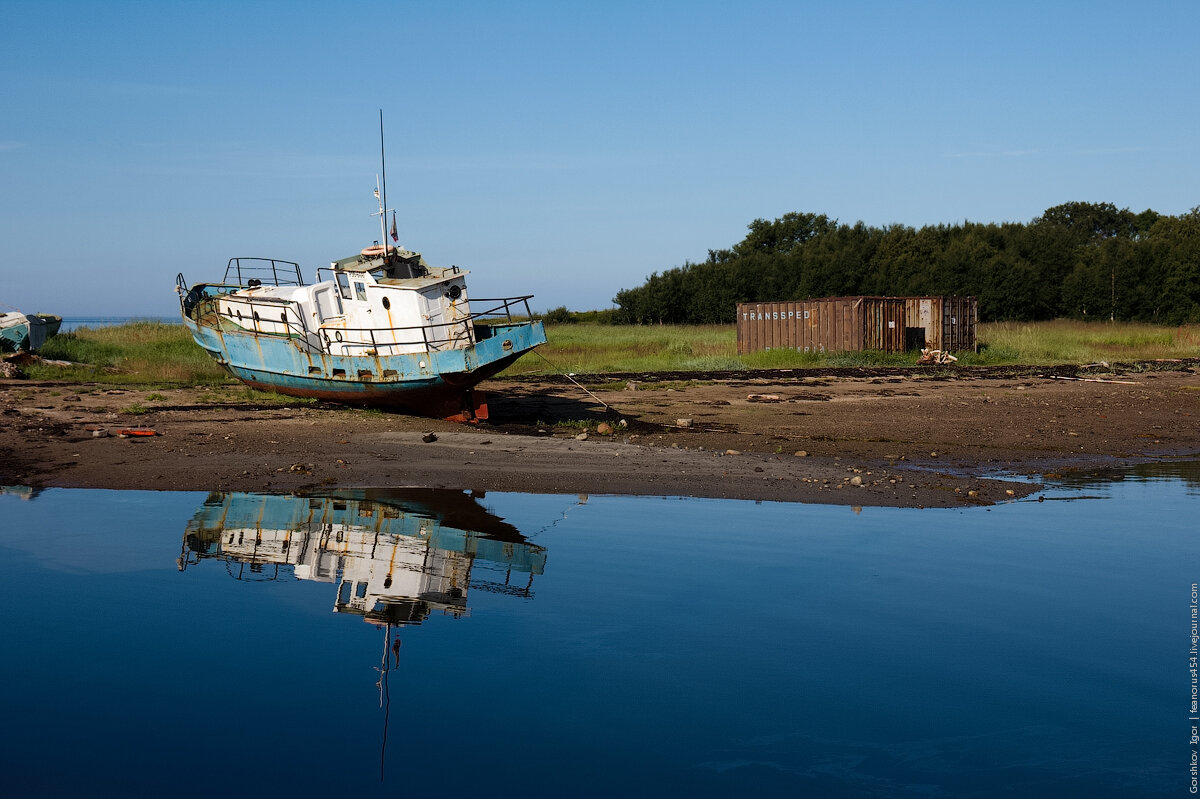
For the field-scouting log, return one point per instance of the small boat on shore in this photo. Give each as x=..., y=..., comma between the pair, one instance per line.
x=379, y=328
x=27, y=332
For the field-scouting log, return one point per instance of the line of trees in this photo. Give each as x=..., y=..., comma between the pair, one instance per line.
x=1077, y=260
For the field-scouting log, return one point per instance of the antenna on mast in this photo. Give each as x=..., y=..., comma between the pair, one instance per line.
x=382, y=197
x=383, y=200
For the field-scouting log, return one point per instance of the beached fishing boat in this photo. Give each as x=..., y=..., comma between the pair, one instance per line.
x=381, y=327
x=27, y=332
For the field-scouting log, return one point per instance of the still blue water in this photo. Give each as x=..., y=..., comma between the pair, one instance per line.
x=421, y=643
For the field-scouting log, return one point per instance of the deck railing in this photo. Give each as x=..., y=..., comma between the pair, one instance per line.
x=432, y=336
x=240, y=273
x=253, y=312
x=505, y=308
x=249, y=272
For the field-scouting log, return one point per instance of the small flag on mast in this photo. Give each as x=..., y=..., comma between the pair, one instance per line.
x=395, y=234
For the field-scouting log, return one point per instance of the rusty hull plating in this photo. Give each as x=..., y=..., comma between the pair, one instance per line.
x=380, y=329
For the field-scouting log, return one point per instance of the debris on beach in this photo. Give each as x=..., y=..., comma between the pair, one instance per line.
x=136, y=432
x=938, y=357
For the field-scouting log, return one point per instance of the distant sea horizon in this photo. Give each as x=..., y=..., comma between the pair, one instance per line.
x=75, y=322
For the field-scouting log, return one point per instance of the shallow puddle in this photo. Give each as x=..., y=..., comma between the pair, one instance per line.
x=517, y=645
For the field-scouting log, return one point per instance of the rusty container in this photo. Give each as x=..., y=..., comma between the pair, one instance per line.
x=960, y=316
x=840, y=324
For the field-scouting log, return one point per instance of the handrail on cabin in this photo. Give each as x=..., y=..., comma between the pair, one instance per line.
x=367, y=337
x=267, y=271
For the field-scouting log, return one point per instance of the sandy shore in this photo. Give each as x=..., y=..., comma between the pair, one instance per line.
x=853, y=437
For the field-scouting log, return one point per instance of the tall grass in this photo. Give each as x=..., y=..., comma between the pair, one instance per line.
x=137, y=352
x=1065, y=341
x=590, y=348
x=154, y=353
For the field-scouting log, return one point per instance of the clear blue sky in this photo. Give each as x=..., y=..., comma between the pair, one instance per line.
x=564, y=149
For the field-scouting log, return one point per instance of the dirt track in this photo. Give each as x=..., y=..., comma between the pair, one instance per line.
x=854, y=437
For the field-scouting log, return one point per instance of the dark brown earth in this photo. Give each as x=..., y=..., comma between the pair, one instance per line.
x=931, y=438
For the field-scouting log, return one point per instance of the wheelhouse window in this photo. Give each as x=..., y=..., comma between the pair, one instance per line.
x=344, y=285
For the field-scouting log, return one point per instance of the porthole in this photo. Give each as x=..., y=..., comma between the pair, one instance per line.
x=386, y=303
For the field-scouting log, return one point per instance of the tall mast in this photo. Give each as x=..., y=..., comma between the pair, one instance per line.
x=383, y=200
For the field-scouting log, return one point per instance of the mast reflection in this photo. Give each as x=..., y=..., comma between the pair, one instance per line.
x=396, y=555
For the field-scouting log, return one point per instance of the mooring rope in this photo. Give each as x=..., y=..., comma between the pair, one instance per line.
x=573, y=380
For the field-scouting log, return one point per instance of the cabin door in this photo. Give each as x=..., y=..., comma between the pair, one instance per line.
x=329, y=305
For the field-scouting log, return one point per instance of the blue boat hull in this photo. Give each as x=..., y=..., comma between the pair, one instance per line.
x=14, y=337
x=434, y=383
x=29, y=333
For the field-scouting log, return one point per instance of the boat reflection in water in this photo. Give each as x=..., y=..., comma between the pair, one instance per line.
x=396, y=555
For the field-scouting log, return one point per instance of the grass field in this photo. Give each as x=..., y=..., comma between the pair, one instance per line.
x=586, y=348
x=1063, y=341
x=137, y=352
x=157, y=354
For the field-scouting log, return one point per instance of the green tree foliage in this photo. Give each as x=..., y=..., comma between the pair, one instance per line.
x=1082, y=260
x=558, y=316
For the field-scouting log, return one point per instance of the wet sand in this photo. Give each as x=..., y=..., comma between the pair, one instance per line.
x=940, y=438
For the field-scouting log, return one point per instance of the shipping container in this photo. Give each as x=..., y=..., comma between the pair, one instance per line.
x=839, y=324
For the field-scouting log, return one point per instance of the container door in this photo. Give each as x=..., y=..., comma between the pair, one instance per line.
x=925, y=314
